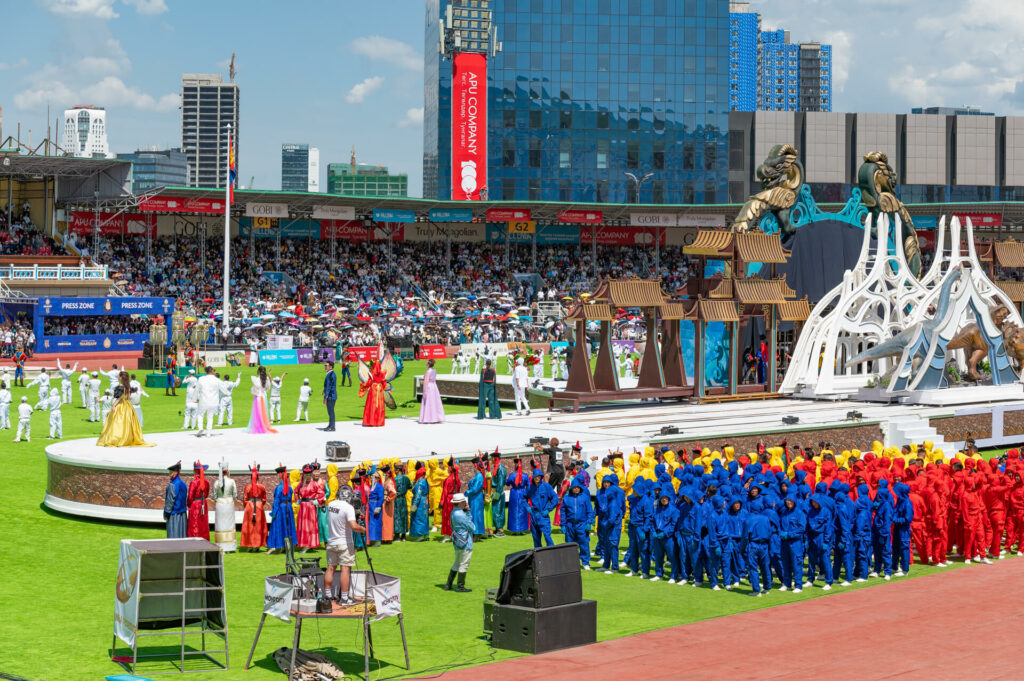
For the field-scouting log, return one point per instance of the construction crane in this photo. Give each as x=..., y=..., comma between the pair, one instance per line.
x=231, y=68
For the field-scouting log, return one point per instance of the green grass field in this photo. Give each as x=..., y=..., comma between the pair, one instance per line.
x=56, y=616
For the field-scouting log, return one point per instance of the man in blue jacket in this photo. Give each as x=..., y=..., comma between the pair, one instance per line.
x=757, y=533
x=884, y=506
x=792, y=529
x=577, y=516
x=462, y=542
x=662, y=538
x=176, y=504
x=330, y=394
x=862, y=521
x=845, y=551
x=686, y=539
x=611, y=506
x=902, y=518
x=641, y=522
x=821, y=518
x=732, y=557
x=542, y=500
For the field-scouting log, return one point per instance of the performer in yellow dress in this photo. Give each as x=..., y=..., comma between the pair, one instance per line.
x=122, y=428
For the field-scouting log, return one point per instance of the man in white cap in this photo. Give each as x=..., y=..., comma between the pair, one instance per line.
x=135, y=395
x=191, y=400
x=5, y=406
x=43, y=381
x=462, y=540
x=83, y=387
x=274, y=398
x=520, y=382
x=53, y=403
x=304, y=394
x=24, y=420
x=106, y=402
x=227, y=404
x=65, y=380
x=208, y=388
x=94, y=397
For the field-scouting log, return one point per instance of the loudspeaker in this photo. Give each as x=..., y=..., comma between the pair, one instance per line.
x=670, y=430
x=542, y=578
x=338, y=451
x=489, y=599
x=538, y=630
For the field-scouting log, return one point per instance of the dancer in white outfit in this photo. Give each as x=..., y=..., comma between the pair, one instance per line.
x=135, y=398
x=274, y=398
x=208, y=388
x=94, y=397
x=5, y=406
x=83, y=387
x=53, y=402
x=43, y=381
x=24, y=420
x=112, y=376
x=227, y=405
x=520, y=382
x=106, y=402
x=304, y=394
x=65, y=380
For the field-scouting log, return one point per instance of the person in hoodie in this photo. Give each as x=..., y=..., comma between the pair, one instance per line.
x=862, y=522
x=792, y=530
x=641, y=522
x=821, y=517
x=971, y=510
x=883, y=506
x=542, y=499
x=903, y=517
x=611, y=506
x=845, y=552
x=577, y=515
x=757, y=533
x=663, y=546
x=686, y=539
x=732, y=556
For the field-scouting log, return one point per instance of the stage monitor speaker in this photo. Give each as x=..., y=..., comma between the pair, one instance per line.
x=542, y=578
x=670, y=430
x=338, y=451
x=539, y=630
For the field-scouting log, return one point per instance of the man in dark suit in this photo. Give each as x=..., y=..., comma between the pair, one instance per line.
x=330, y=394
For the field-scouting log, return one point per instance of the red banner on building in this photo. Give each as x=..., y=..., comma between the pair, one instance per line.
x=432, y=352
x=926, y=239
x=354, y=231
x=585, y=217
x=507, y=214
x=172, y=204
x=622, y=236
x=112, y=224
x=469, y=126
x=981, y=219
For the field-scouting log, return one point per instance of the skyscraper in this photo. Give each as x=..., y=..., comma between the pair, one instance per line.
x=300, y=168
x=153, y=168
x=208, y=105
x=85, y=131
x=744, y=56
x=585, y=91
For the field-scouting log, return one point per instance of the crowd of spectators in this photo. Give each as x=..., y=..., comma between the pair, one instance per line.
x=104, y=325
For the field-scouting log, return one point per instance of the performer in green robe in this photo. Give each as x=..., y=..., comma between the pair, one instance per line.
x=498, y=474
x=402, y=487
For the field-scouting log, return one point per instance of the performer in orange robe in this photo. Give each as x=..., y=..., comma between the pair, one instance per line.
x=198, y=491
x=388, y=530
x=308, y=494
x=451, y=486
x=254, y=522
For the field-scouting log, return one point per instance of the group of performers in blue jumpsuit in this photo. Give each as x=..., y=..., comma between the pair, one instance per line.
x=722, y=527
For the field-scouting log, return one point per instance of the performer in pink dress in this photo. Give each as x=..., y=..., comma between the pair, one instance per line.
x=431, y=410
x=259, y=422
x=309, y=494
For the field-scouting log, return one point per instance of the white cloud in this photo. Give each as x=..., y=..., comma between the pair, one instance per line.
x=413, y=118
x=7, y=66
x=360, y=91
x=389, y=50
x=842, y=48
x=148, y=6
x=110, y=92
x=100, y=9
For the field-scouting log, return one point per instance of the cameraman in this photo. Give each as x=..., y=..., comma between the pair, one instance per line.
x=341, y=548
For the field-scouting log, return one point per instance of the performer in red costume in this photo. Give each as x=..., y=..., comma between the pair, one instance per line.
x=198, y=491
x=451, y=486
x=375, y=386
x=308, y=494
x=254, y=521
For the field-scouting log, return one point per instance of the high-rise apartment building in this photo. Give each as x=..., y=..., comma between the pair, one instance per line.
x=85, y=131
x=300, y=168
x=157, y=168
x=208, y=106
x=584, y=91
x=767, y=72
x=365, y=180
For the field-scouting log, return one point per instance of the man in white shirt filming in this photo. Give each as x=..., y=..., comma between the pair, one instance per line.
x=341, y=548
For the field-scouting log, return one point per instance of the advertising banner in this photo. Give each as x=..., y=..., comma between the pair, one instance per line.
x=607, y=235
x=458, y=232
x=278, y=357
x=653, y=219
x=493, y=349
x=304, y=355
x=170, y=204
x=680, y=236
x=365, y=353
x=587, y=217
x=925, y=221
x=926, y=238
x=279, y=342
x=212, y=358
x=701, y=220
x=123, y=342
x=432, y=352
x=979, y=219
x=288, y=229
x=387, y=598
x=451, y=215
x=507, y=214
x=393, y=215
x=522, y=227
x=334, y=213
x=126, y=593
x=266, y=210
x=354, y=231
x=115, y=305
x=469, y=126
x=277, y=599
x=112, y=224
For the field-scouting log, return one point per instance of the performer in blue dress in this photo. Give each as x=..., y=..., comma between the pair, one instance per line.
x=518, y=512
x=375, y=512
x=282, y=516
x=175, y=498
x=419, y=511
x=475, y=496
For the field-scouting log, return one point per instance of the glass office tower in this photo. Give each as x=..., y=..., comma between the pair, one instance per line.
x=584, y=91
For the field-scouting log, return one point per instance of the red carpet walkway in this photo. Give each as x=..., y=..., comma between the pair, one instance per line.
x=961, y=625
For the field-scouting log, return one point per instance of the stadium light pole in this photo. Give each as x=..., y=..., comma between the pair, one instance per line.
x=226, y=315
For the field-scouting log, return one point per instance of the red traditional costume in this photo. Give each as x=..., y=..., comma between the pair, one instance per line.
x=451, y=485
x=254, y=521
x=198, y=491
x=308, y=494
x=375, y=386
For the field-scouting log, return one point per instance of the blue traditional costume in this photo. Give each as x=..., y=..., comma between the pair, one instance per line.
x=175, y=506
x=282, y=516
x=518, y=512
x=542, y=500
x=499, y=474
x=475, y=496
x=419, y=512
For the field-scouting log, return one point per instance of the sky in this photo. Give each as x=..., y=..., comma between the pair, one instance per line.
x=339, y=73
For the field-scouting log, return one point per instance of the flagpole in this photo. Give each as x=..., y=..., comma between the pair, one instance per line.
x=227, y=242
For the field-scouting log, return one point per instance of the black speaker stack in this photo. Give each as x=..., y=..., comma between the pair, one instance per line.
x=539, y=605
